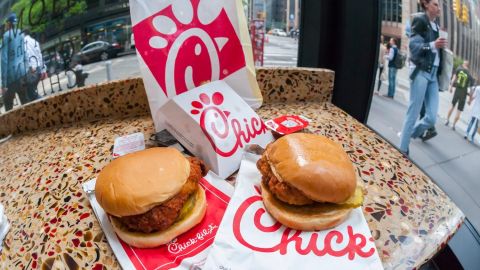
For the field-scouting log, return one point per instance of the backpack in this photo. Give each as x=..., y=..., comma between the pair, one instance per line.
x=400, y=59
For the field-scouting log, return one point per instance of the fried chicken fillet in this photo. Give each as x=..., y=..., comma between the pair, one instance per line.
x=164, y=215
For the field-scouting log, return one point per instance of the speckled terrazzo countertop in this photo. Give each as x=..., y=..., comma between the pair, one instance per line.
x=65, y=140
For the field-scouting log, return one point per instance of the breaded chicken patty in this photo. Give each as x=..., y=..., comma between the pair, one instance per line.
x=163, y=216
x=282, y=190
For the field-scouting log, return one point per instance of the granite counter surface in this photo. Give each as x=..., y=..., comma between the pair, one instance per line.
x=42, y=170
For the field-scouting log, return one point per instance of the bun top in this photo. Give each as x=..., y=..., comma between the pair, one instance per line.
x=315, y=165
x=135, y=183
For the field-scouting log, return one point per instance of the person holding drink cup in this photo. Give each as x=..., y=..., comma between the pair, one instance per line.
x=426, y=46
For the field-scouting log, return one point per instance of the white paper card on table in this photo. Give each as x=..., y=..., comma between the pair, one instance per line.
x=249, y=238
x=128, y=144
x=4, y=225
x=215, y=124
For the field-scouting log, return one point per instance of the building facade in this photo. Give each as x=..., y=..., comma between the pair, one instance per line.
x=460, y=18
x=107, y=20
x=282, y=14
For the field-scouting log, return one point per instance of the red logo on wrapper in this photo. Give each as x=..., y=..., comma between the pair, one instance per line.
x=187, y=44
x=188, y=244
x=287, y=124
x=218, y=123
x=352, y=244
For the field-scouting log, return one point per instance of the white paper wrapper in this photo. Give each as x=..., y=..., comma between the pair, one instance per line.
x=182, y=44
x=187, y=251
x=249, y=238
x=4, y=226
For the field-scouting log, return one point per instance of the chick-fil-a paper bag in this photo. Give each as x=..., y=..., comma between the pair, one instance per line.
x=249, y=238
x=215, y=124
x=188, y=251
x=182, y=44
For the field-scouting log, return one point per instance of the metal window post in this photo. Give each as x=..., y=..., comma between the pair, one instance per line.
x=343, y=36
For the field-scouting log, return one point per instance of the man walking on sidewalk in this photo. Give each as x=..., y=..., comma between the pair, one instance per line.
x=36, y=67
x=425, y=66
x=473, y=124
x=381, y=62
x=461, y=81
x=392, y=69
x=13, y=64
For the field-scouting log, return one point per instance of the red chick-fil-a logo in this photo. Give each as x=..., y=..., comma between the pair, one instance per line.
x=187, y=43
x=356, y=242
x=215, y=122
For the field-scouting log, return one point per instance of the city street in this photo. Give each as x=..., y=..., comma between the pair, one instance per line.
x=123, y=67
x=280, y=51
x=449, y=159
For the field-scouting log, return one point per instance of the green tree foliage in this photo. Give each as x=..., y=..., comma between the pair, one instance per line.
x=38, y=14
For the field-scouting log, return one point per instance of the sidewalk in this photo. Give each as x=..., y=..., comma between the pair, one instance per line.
x=450, y=160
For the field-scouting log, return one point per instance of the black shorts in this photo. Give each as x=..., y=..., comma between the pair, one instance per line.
x=460, y=96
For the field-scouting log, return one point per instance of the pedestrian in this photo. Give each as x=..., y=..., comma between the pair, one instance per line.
x=473, y=124
x=425, y=66
x=392, y=69
x=381, y=61
x=36, y=67
x=461, y=81
x=13, y=64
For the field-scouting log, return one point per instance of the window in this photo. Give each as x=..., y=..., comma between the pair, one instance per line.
x=392, y=10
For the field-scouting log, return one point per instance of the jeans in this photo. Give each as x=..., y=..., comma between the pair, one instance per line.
x=16, y=87
x=424, y=88
x=392, y=81
x=472, y=128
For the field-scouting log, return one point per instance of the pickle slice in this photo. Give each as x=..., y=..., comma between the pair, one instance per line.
x=354, y=201
x=187, y=207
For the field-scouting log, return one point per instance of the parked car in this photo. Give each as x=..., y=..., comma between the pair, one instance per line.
x=278, y=32
x=98, y=51
x=54, y=62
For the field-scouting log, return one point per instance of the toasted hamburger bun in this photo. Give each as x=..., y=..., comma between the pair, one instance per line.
x=313, y=164
x=150, y=240
x=135, y=183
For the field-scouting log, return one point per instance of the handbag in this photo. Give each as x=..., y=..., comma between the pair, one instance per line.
x=33, y=77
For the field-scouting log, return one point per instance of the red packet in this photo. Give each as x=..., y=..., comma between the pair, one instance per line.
x=188, y=250
x=287, y=124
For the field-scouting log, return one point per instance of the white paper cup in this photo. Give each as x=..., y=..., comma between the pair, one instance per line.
x=443, y=34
